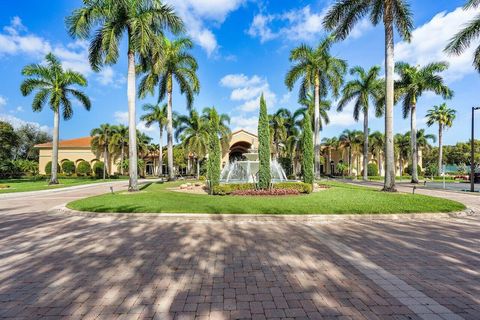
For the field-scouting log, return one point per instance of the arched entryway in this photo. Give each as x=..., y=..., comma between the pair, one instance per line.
x=237, y=150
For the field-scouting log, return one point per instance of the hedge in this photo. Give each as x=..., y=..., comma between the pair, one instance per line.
x=68, y=167
x=98, y=169
x=372, y=170
x=226, y=189
x=48, y=168
x=409, y=169
x=83, y=169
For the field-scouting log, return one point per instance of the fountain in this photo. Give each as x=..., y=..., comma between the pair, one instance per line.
x=246, y=171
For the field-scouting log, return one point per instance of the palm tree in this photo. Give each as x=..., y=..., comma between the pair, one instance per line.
x=414, y=81
x=342, y=18
x=463, y=39
x=278, y=130
x=143, y=23
x=402, y=146
x=422, y=141
x=55, y=85
x=377, y=146
x=192, y=130
x=170, y=61
x=156, y=113
x=362, y=90
x=323, y=107
x=357, y=144
x=224, y=131
x=347, y=141
x=119, y=142
x=320, y=70
x=444, y=116
x=101, y=142
x=329, y=144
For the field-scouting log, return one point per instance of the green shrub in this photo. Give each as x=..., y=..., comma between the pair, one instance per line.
x=431, y=170
x=98, y=169
x=83, y=169
x=408, y=170
x=264, y=174
x=214, y=151
x=307, y=149
x=224, y=189
x=301, y=187
x=68, y=167
x=372, y=170
x=202, y=178
x=48, y=168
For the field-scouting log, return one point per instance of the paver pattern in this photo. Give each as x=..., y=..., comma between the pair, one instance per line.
x=54, y=266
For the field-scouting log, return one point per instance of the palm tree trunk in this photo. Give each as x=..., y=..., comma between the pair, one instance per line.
x=160, y=156
x=56, y=131
x=171, y=174
x=389, y=182
x=198, y=168
x=380, y=164
x=122, y=159
x=365, y=146
x=329, y=161
x=413, y=142
x=316, y=132
x=104, y=161
x=132, y=125
x=350, y=160
x=440, y=148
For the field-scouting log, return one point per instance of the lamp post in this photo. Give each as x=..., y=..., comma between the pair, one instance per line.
x=472, y=159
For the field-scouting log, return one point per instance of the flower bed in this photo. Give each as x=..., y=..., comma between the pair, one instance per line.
x=226, y=189
x=271, y=192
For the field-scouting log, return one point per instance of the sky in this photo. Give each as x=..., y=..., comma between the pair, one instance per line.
x=242, y=47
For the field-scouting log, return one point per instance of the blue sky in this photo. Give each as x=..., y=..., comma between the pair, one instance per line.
x=242, y=47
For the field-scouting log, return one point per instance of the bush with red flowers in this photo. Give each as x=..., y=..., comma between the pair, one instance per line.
x=270, y=192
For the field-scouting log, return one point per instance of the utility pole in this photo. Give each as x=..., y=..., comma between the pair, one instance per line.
x=472, y=159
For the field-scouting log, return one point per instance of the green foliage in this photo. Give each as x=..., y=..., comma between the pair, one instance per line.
x=301, y=187
x=9, y=169
x=408, y=170
x=28, y=136
x=264, y=175
x=8, y=140
x=84, y=169
x=27, y=166
x=98, y=169
x=372, y=170
x=68, y=167
x=342, y=168
x=225, y=189
x=431, y=170
x=48, y=168
x=307, y=148
x=214, y=150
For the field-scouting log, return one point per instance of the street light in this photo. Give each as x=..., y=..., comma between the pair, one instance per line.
x=472, y=159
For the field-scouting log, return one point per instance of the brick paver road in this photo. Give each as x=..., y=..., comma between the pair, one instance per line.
x=54, y=266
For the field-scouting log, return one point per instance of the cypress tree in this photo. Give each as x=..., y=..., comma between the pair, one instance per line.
x=307, y=148
x=264, y=176
x=214, y=151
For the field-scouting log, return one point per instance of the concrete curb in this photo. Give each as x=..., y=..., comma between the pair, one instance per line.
x=208, y=217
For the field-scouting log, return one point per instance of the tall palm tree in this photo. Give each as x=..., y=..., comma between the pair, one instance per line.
x=278, y=130
x=143, y=22
x=119, y=142
x=367, y=87
x=323, y=107
x=444, y=116
x=169, y=61
x=463, y=39
x=157, y=114
x=330, y=144
x=342, y=18
x=423, y=141
x=101, y=142
x=192, y=130
x=316, y=68
x=347, y=141
x=414, y=81
x=224, y=131
x=55, y=86
x=377, y=146
x=402, y=146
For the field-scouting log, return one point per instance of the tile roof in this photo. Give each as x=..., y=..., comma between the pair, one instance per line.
x=72, y=143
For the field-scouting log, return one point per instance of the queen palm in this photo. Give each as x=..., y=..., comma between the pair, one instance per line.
x=101, y=140
x=157, y=114
x=414, y=81
x=377, y=146
x=54, y=86
x=224, y=131
x=365, y=88
x=169, y=61
x=119, y=142
x=463, y=39
x=444, y=116
x=342, y=18
x=319, y=70
x=143, y=22
x=192, y=130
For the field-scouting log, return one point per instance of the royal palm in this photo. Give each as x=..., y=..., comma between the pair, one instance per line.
x=414, y=81
x=365, y=88
x=170, y=61
x=101, y=141
x=377, y=147
x=223, y=125
x=343, y=17
x=143, y=23
x=119, y=142
x=157, y=114
x=54, y=86
x=316, y=68
x=444, y=116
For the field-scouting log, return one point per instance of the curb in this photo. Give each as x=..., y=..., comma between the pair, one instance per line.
x=209, y=217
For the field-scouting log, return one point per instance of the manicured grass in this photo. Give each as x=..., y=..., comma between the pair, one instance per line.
x=20, y=185
x=339, y=199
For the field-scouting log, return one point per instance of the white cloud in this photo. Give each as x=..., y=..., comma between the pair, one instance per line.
x=17, y=122
x=3, y=101
x=430, y=39
x=286, y=98
x=344, y=118
x=247, y=90
x=121, y=117
x=197, y=13
x=108, y=77
x=242, y=122
x=296, y=25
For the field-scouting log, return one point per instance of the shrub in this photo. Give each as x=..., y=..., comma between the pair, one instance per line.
x=264, y=175
x=307, y=148
x=68, y=167
x=202, y=178
x=431, y=170
x=372, y=170
x=271, y=192
x=48, y=168
x=409, y=169
x=98, y=169
x=301, y=187
x=224, y=189
x=83, y=169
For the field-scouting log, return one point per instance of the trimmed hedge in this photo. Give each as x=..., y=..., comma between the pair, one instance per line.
x=83, y=169
x=408, y=170
x=68, y=167
x=372, y=170
x=98, y=169
x=226, y=189
x=48, y=168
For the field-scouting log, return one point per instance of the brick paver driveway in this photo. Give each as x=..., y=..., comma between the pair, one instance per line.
x=54, y=266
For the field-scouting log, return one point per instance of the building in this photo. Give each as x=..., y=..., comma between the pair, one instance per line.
x=241, y=142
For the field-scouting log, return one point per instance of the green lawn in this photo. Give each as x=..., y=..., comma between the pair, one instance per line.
x=20, y=185
x=339, y=199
